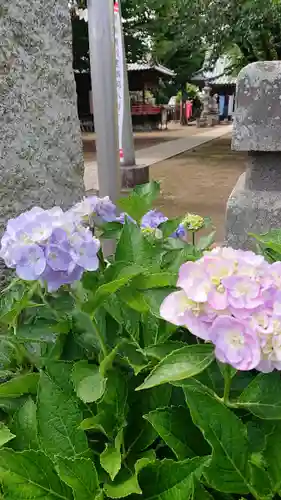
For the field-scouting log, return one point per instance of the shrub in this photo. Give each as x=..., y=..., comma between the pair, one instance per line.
x=100, y=396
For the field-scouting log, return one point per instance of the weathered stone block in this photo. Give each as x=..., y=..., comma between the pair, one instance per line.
x=257, y=122
x=254, y=206
x=41, y=160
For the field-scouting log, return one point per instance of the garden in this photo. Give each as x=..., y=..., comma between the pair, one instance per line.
x=150, y=373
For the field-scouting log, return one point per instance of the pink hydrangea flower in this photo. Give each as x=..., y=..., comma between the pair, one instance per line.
x=236, y=343
x=178, y=309
x=233, y=299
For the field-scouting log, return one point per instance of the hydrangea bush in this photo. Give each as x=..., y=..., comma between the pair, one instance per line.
x=150, y=373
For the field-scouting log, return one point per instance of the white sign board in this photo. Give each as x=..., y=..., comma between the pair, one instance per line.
x=119, y=73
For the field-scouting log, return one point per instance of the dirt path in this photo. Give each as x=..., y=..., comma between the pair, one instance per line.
x=200, y=181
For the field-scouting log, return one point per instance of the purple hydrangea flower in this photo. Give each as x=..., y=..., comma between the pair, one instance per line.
x=124, y=216
x=30, y=261
x=49, y=245
x=153, y=219
x=95, y=206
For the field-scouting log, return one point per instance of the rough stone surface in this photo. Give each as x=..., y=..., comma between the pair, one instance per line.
x=257, y=121
x=254, y=205
x=132, y=176
x=41, y=160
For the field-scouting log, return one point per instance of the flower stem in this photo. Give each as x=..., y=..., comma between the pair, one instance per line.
x=193, y=238
x=227, y=385
x=100, y=339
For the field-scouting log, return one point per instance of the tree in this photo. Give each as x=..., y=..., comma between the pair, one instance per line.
x=254, y=26
x=137, y=16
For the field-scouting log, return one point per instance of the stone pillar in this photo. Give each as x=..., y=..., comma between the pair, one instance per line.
x=41, y=161
x=254, y=205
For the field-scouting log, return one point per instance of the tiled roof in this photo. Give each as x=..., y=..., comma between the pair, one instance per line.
x=219, y=74
x=148, y=66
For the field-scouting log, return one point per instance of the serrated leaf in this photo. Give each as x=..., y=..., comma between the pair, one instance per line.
x=170, y=226
x=155, y=280
x=134, y=248
x=134, y=299
x=24, y=424
x=80, y=475
x=5, y=434
x=139, y=433
x=199, y=492
x=112, y=409
x=135, y=358
x=229, y=470
x=139, y=202
x=171, y=424
x=272, y=455
x=110, y=458
x=104, y=291
x=181, y=364
x=89, y=384
x=155, y=297
x=167, y=479
x=263, y=396
x=30, y=475
x=205, y=242
x=20, y=385
x=126, y=482
x=160, y=351
x=42, y=330
x=58, y=414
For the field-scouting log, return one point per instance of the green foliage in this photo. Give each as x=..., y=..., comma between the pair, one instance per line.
x=100, y=398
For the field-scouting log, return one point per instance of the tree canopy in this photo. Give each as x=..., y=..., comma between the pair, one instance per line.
x=177, y=33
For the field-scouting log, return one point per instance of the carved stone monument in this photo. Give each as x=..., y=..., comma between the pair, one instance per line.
x=207, y=115
x=255, y=203
x=41, y=160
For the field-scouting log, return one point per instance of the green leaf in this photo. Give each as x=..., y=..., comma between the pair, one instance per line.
x=271, y=240
x=205, y=242
x=41, y=330
x=30, y=475
x=272, y=455
x=5, y=434
x=166, y=479
x=155, y=297
x=140, y=201
x=131, y=352
x=110, y=458
x=139, y=433
x=20, y=385
x=263, y=396
x=200, y=493
x=126, y=482
x=170, y=226
x=160, y=351
x=89, y=384
x=134, y=299
x=149, y=190
x=134, y=248
x=58, y=413
x=104, y=291
x=171, y=425
x=112, y=409
x=155, y=280
x=24, y=424
x=229, y=470
x=181, y=364
x=80, y=475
